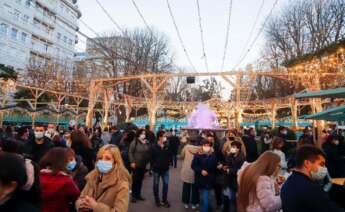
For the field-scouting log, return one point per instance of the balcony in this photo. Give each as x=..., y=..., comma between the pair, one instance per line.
x=49, y=4
x=50, y=20
x=42, y=49
x=38, y=31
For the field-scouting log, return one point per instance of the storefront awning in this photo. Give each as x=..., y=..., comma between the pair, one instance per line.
x=331, y=93
x=333, y=114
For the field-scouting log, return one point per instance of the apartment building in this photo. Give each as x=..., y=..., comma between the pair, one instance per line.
x=36, y=32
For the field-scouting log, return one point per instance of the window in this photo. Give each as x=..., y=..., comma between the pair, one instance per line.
x=70, y=42
x=58, y=36
x=16, y=15
x=25, y=19
x=23, y=38
x=14, y=33
x=3, y=30
x=28, y=3
x=64, y=39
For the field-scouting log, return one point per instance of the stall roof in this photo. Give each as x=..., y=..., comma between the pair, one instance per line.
x=331, y=93
x=333, y=114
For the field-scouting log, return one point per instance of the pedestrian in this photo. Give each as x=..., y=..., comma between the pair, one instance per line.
x=234, y=159
x=190, y=193
x=40, y=145
x=301, y=191
x=139, y=156
x=204, y=165
x=12, y=178
x=115, y=135
x=58, y=187
x=257, y=188
x=107, y=187
x=219, y=181
x=251, y=146
x=174, y=144
x=334, y=148
x=161, y=156
x=277, y=148
x=76, y=169
x=82, y=146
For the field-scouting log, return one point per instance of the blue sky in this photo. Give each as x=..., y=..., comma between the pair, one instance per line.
x=214, y=19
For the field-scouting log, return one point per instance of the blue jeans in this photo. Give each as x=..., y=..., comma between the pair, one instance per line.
x=165, y=179
x=205, y=198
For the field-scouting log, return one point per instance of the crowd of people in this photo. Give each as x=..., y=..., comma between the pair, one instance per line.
x=49, y=168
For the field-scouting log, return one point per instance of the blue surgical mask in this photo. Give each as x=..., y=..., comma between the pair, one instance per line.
x=71, y=165
x=104, y=166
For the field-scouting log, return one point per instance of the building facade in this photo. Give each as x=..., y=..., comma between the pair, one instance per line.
x=37, y=32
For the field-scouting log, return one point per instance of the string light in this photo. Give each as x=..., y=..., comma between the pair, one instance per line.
x=204, y=56
x=227, y=36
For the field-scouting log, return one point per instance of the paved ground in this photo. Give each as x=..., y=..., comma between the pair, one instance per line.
x=174, y=195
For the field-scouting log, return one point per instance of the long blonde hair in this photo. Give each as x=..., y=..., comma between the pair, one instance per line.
x=265, y=165
x=119, y=168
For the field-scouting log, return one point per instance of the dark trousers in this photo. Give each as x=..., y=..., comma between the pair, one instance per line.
x=138, y=177
x=229, y=202
x=174, y=160
x=165, y=179
x=218, y=191
x=190, y=194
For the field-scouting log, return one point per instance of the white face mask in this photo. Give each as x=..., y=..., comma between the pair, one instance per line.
x=284, y=132
x=164, y=139
x=267, y=140
x=233, y=150
x=336, y=142
x=320, y=174
x=39, y=135
x=206, y=149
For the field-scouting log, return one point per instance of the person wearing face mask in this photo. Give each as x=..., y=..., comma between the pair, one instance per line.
x=174, y=144
x=51, y=131
x=40, y=145
x=204, y=165
x=258, y=189
x=234, y=159
x=335, y=155
x=58, y=188
x=250, y=144
x=301, y=191
x=139, y=156
x=13, y=177
x=160, y=160
x=76, y=168
x=107, y=187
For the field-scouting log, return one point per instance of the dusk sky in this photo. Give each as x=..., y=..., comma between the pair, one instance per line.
x=214, y=19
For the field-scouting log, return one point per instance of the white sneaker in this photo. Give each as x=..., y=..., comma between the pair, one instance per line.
x=194, y=207
x=186, y=206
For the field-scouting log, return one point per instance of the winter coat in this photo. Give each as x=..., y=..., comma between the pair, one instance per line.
x=174, y=143
x=251, y=148
x=187, y=155
x=57, y=191
x=116, y=138
x=79, y=173
x=299, y=193
x=267, y=200
x=110, y=192
x=139, y=153
x=18, y=204
x=335, y=160
x=234, y=163
x=37, y=151
x=160, y=158
x=207, y=162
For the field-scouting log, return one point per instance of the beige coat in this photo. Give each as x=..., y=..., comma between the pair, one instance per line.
x=187, y=155
x=111, y=194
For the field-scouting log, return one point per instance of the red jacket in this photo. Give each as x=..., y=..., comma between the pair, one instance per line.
x=57, y=191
